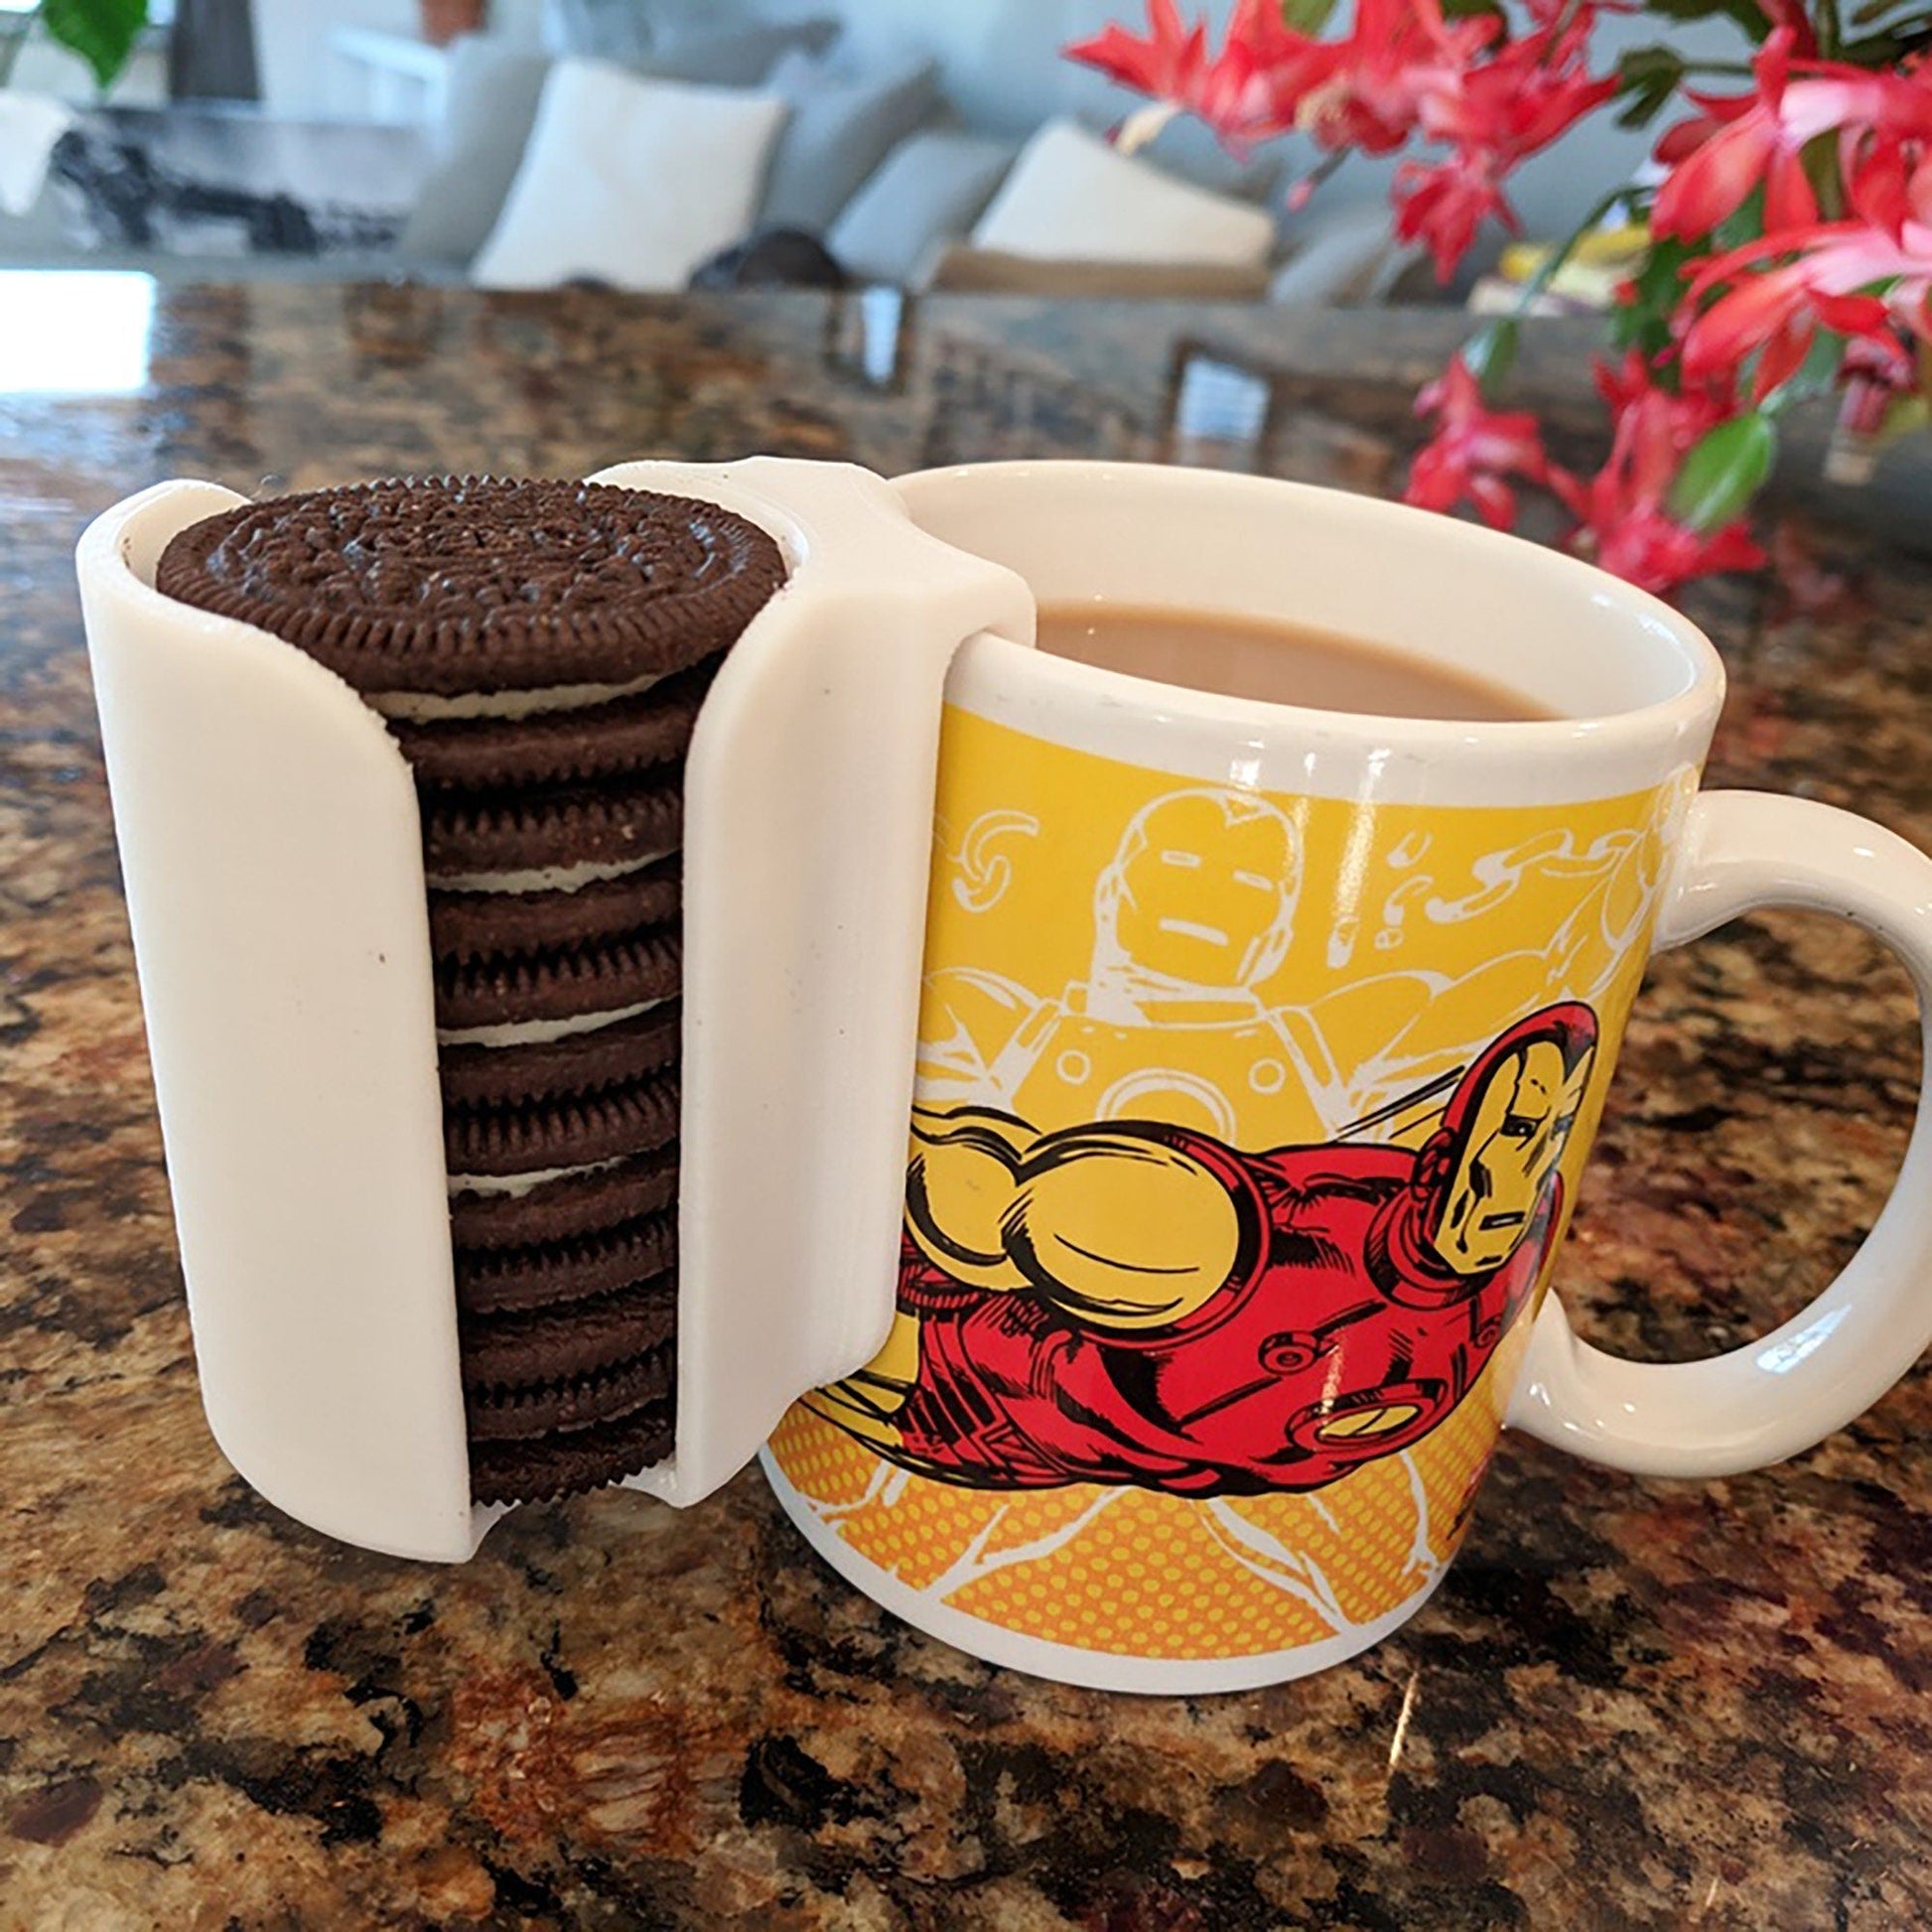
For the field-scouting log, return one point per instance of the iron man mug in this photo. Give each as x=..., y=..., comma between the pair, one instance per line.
x=1260, y=1052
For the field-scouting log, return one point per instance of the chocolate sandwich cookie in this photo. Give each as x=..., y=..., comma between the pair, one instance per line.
x=452, y=586
x=587, y=1097
x=601, y=976
x=533, y=1358
x=621, y=737
x=494, y=1281
x=504, y=959
x=520, y=1078
x=575, y=1207
x=568, y=1239
x=530, y=1410
x=565, y=1296
x=540, y=653
x=576, y=1132
x=548, y=1438
x=515, y=834
x=464, y=927
x=572, y=1460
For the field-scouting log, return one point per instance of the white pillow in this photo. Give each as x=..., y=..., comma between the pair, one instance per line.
x=1072, y=197
x=629, y=179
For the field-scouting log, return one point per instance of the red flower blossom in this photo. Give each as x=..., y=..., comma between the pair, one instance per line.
x=1474, y=449
x=1495, y=115
x=1719, y=158
x=1443, y=207
x=1246, y=93
x=1402, y=70
x=1875, y=372
x=1775, y=294
x=1647, y=548
x=1483, y=99
x=1790, y=15
x=1535, y=88
x=1623, y=522
x=1888, y=180
x=1379, y=78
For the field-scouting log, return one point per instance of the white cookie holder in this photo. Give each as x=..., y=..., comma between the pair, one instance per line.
x=272, y=854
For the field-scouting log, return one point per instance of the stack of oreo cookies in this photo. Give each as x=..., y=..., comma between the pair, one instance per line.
x=540, y=651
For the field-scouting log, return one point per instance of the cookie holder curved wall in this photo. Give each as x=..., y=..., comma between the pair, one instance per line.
x=271, y=850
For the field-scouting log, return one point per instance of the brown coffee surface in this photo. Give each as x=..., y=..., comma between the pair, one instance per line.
x=1276, y=661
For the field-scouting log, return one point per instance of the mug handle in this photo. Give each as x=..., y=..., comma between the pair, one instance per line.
x=1779, y=1395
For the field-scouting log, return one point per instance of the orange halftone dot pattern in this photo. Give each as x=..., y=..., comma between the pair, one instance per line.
x=1138, y=1574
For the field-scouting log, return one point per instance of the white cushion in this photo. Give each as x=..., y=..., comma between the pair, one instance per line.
x=629, y=181
x=1072, y=197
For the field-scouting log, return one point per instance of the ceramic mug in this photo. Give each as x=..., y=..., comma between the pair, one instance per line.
x=1260, y=1053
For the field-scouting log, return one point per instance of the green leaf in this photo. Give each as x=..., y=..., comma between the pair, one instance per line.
x=1647, y=78
x=1307, y=16
x=1723, y=473
x=102, y=31
x=1489, y=353
x=1644, y=322
x=1469, y=9
x=1890, y=44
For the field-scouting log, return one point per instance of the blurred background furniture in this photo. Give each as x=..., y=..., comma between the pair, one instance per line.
x=918, y=145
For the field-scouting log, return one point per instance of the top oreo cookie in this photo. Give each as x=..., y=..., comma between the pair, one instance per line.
x=454, y=586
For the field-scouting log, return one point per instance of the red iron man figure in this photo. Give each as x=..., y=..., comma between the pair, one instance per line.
x=1134, y=1303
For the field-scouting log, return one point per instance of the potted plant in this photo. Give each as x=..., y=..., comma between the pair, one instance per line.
x=1783, y=239
x=102, y=31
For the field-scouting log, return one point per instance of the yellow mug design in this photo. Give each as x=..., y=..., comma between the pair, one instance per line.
x=1233, y=1179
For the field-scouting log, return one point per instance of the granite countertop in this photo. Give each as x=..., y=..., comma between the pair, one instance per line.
x=1631, y=1705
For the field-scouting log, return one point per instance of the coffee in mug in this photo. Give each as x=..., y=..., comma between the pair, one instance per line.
x=1271, y=659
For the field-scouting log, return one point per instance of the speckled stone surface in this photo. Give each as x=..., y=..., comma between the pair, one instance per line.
x=1631, y=1705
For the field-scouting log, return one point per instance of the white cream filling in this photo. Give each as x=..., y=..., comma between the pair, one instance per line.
x=427, y=708
x=521, y=1184
x=546, y=878
x=535, y=1033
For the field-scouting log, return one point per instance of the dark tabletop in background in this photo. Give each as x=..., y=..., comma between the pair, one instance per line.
x=1631, y=1703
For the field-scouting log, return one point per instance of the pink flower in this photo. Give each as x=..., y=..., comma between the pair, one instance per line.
x=1876, y=372
x=1379, y=80
x=1773, y=295
x=1888, y=180
x=1246, y=93
x=1495, y=115
x=1647, y=548
x=1443, y=207
x=1473, y=451
x=1791, y=16
x=1402, y=70
x=1535, y=88
x=1736, y=143
x=1622, y=523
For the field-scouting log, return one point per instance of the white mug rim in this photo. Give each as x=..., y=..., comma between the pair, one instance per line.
x=1676, y=715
